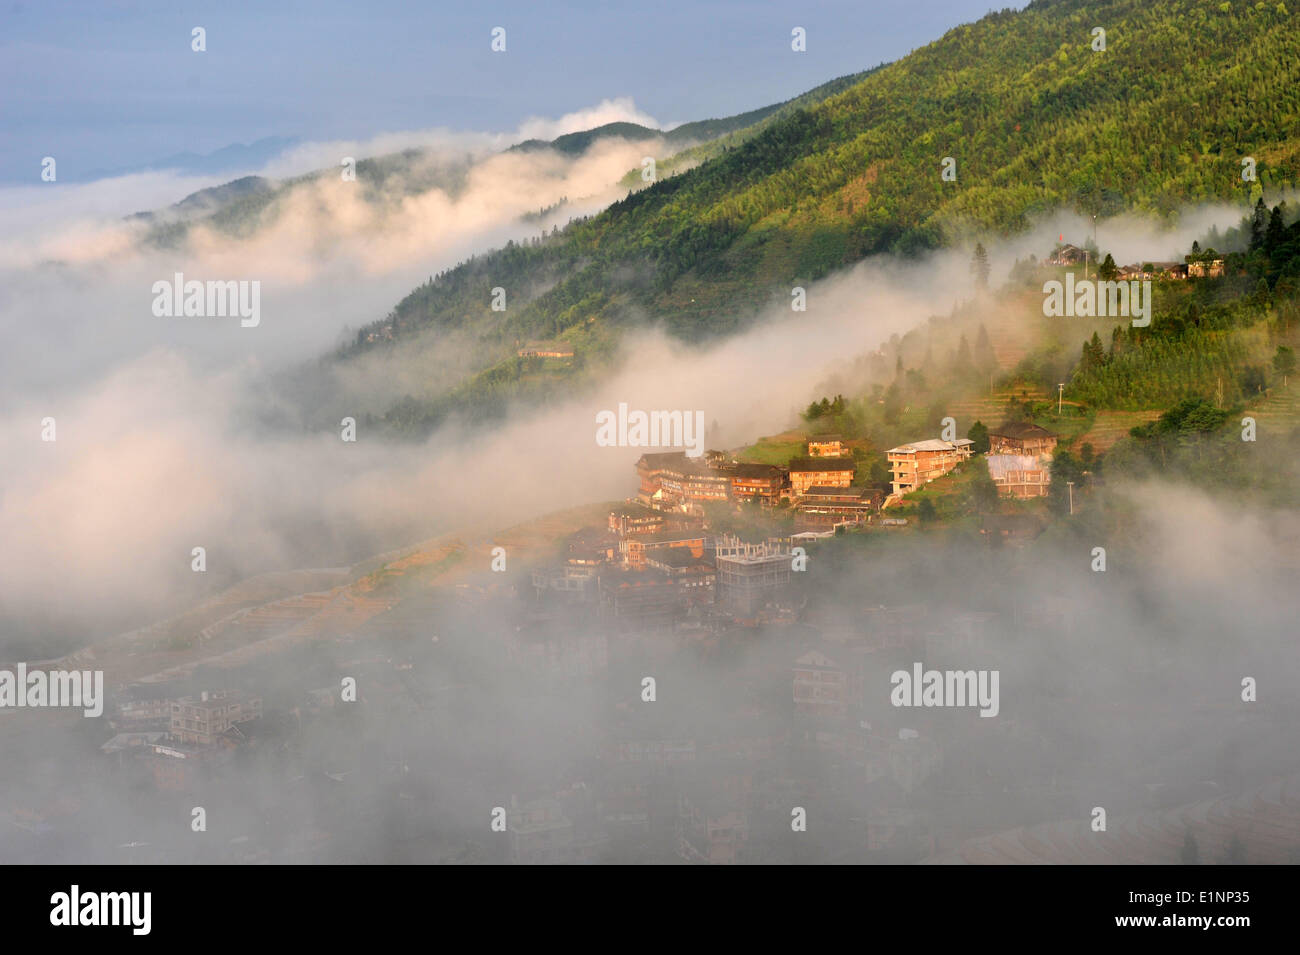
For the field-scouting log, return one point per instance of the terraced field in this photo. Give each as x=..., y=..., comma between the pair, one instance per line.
x=1110, y=426
x=1279, y=412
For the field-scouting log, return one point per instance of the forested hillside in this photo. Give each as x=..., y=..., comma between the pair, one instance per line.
x=1034, y=117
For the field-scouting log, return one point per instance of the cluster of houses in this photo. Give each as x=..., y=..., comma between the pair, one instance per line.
x=650, y=569
x=1193, y=266
x=819, y=485
x=656, y=564
x=1019, y=461
x=182, y=740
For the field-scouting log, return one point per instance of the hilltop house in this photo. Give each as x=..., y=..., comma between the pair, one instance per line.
x=825, y=446
x=920, y=462
x=1067, y=255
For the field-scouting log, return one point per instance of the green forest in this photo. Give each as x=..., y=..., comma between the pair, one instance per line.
x=1035, y=118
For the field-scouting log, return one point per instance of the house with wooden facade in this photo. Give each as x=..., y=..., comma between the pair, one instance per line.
x=1021, y=437
x=635, y=518
x=1067, y=255
x=672, y=481
x=830, y=506
x=820, y=472
x=1201, y=268
x=758, y=482
x=825, y=446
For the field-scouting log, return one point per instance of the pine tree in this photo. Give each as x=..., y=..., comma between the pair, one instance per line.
x=963, y=361
x=1258, y=224
x=1275, y=234
x=1098, y=353
x=979, y=266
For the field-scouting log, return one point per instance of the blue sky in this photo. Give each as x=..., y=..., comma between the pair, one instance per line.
x=113, y=83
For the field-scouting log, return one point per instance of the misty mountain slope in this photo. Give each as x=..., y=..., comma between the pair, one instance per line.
x=240, y=207
x=1035, y=119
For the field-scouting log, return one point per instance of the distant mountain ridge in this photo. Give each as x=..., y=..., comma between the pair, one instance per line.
x=232, y=158
x=236, y=208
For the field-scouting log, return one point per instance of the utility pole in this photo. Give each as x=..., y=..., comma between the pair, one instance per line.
x=1060, y=394
x=1070, y=485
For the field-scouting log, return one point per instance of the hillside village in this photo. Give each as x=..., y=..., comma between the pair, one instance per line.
x=734, y=548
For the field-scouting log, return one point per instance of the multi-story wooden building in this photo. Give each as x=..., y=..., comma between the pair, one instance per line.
x=758, y=482
x=917, y=464
x=696, y=577
x=820, y=472
x=635, y=518
x=835, y=505
x=672, y=481
x=1021, y=437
